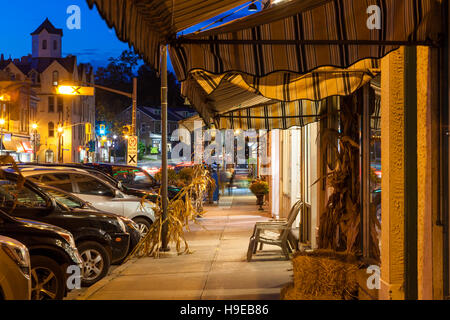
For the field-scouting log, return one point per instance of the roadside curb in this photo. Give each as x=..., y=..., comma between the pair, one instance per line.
x=99, y=285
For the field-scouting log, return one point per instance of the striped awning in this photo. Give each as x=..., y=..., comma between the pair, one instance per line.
x=148, y=24
x=268, y=55
x=279, y=115
x=300, y=36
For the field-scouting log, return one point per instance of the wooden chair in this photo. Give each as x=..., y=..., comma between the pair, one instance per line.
x=274, y=232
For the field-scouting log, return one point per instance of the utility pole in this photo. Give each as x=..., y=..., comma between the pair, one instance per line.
x=164, y=161
x=134, y=97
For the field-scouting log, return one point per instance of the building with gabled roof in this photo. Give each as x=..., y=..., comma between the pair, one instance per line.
x=45, y=69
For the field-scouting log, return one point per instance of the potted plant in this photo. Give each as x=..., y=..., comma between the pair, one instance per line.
x=259, y=188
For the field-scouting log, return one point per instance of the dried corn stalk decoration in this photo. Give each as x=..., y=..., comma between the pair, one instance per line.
x=181, y=210
x=9, y=161
x=340, y=223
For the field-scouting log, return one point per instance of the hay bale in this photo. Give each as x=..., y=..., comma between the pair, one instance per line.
x=323, y=275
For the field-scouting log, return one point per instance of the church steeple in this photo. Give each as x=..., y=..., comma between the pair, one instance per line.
x=47, y=41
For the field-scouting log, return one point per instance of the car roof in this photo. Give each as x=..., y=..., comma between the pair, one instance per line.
x=32, y=170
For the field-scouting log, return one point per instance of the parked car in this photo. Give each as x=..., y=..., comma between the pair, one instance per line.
x=70, y=202
x=15, y=270
x=136, y=180
x=99, y=193
x=101, y=238
x=52, y=250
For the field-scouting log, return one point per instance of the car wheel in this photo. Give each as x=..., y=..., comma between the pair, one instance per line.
x=47, y=279
x=96, y=262
x=143, y=224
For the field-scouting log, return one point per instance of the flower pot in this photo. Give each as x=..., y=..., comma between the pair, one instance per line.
x=260, y=201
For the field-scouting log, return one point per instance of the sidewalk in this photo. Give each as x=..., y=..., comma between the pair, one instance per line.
x=216, y=270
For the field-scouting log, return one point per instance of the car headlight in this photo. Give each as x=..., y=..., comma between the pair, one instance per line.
x=19, y=254
x=68, y=237
x=122, y=225
x=69, y=246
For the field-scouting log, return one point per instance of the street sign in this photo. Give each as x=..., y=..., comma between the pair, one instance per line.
x=132, y=154
x=75, y=90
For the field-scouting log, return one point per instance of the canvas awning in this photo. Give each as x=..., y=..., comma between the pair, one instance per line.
x=299, y=50
x=148, y=24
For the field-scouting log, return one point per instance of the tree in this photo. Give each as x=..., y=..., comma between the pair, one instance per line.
x=119, y=74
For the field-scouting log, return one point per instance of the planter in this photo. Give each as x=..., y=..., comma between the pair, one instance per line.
x=260, y=201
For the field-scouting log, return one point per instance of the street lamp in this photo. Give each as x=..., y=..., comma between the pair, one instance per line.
x=34, y=126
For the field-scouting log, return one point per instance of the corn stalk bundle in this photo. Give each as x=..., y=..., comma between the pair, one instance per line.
x=181, y=210
x=340, y=223
x=8, y=160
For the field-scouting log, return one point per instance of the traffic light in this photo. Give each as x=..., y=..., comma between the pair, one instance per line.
x=126, y=130
x=88, y=132
x=102, y=130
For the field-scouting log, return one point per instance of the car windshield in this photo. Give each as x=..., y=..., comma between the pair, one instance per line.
x=133, y=177
x=65, y=199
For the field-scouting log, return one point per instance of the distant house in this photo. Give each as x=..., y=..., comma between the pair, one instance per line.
x=148, y=122
x=45, y=69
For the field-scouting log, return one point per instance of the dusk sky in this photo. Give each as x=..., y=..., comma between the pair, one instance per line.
x=94, y=43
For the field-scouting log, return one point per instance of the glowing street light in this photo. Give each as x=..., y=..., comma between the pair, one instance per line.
x=2, y=122
x=60, y=129
x=34, y=126
x=5, y=97
x=75, y=91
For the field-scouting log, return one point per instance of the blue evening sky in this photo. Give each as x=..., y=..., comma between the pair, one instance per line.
x=94, y=43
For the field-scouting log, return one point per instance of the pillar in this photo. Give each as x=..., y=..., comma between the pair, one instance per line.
x=430, y=230
x=393, y=166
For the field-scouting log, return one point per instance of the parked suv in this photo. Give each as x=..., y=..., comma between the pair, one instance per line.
x=88, y=187
x=136, y=180
x=101, y=238
x=15, y=270
x=72, y=203
x=52, y=250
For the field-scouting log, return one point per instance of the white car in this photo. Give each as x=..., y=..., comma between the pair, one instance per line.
x=99, y=193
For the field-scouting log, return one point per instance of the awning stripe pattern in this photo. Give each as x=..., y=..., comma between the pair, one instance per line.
x=146, y=24
x=280, y=115
x=317, y=85
x=296, y=20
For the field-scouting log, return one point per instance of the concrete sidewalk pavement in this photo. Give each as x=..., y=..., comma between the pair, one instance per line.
x=216, y=270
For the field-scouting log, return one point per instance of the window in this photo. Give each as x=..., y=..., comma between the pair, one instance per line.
x=60, y=104
x=91, y=186
x=158, y=127
x=51, y=104
x=25, y=197
x=58, y=180
x=133, y=177
x=49, y=156
x=44, y=44
x=55, y=45
x=143, y=127
x=55, y=78
x=51, y=129
x=65, y=199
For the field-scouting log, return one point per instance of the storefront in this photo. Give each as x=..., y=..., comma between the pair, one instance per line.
x=18, y=147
